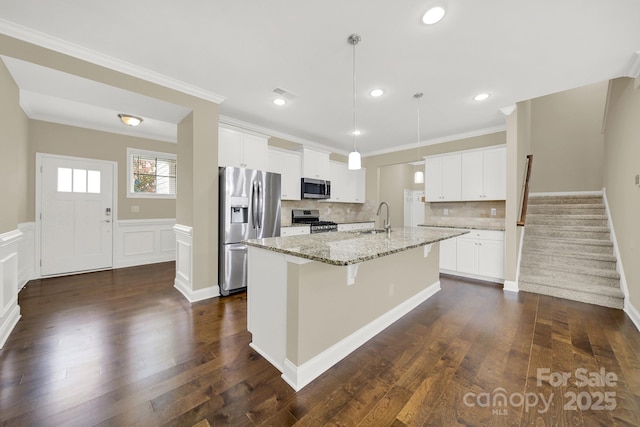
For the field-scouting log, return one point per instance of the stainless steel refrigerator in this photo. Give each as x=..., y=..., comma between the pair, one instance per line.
x=249, y=209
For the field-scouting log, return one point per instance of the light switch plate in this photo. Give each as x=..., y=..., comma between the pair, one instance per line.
x=446, y=211
x=135, y=209
x=493, y=212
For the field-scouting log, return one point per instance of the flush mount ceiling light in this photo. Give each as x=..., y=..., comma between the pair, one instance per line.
x=433, y=15
x=481, y=97
x=355, y=162
x=418, y=177
x=376, y=93
x=356, y=132
x=279, y=101
x=130, y=120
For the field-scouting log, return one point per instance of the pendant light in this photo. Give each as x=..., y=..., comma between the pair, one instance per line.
x=354, y=157
x=418, y=177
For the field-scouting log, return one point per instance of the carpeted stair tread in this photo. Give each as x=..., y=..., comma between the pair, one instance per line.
x=575, y=295
x=553, y=228
x=601, y=261
x=573, y=269
x=576, y=286
x=567, y=220
x=564, y=240
x=548, y=200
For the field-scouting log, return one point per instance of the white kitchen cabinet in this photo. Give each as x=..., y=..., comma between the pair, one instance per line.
x=338, y=178
x=356, y=185
x=442, y=181
x=355, y=226
x=481, y=253
x=484, y=174
x=241, y=149
x=315, y=164
x=448, y=254
x=288, y=165
x=298, y=230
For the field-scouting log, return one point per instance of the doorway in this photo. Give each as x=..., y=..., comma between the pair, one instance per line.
x=74, y=214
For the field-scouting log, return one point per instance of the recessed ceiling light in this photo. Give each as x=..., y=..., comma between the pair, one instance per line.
x=279, y=101
x=130, y=120
x=376, y=93
x=481, y=97
x=433, y=15
x=356, y=132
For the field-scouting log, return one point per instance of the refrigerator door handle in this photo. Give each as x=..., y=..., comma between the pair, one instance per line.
x=254, y=205
x=260, y=204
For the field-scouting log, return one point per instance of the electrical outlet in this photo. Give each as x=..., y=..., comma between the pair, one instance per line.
x=446, y=212
x=493, y=212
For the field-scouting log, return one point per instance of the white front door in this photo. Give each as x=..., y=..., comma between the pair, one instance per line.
x=76, y=222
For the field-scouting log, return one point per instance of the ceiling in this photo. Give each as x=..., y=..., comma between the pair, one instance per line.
x=240, y=51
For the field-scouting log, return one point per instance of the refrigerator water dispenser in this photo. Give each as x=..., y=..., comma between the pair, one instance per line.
x=239, y=214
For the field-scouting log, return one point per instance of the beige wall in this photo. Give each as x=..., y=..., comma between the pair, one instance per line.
x=322, y=304
x=567, y=140
x=622, y=164
x=52, y=138
x=184, y=210
x=13, y=152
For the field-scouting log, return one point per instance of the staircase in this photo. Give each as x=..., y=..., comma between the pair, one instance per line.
x=567, y=251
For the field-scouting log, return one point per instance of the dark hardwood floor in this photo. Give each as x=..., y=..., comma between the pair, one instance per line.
x=124, y=348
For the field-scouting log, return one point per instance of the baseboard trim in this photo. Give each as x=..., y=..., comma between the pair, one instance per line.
x=567, y=193
x=473, y=276
x=616, y=249
x=6, y=327
x=299, y=376
x=511, y=286
x=198, y=294
x=633, y=313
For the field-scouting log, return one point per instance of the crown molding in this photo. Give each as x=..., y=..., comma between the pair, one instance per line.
x=441, y=140
x=633, y=70
x=507, y=111
x=226, y=121
x=58, y=45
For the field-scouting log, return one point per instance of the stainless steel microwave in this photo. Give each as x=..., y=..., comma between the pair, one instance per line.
x=312, y=188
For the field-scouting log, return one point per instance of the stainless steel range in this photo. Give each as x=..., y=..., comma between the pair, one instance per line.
x=312, y=217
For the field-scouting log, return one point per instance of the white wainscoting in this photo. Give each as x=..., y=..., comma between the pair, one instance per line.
x=27, y=254
x=184, y=267
x=144, y=241
x=9, y=267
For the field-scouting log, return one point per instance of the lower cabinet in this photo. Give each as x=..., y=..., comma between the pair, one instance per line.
x=294, y=231
x=354, y=226
x=480, y=253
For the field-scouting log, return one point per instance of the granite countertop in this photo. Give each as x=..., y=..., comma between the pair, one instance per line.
x=356, y=222
x=295, y=225
x=465, y=226
x=345, y=248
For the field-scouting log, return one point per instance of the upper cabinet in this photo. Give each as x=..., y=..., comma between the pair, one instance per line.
x=288, y=164
x=356, y=185
x=442, y=182
x=241, y=149
x=484, y=174
x=347, y=186
x=338, y=178
x=315, y=164
x=467, y=176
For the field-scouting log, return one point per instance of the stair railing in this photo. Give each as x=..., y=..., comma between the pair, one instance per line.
x=525, y=192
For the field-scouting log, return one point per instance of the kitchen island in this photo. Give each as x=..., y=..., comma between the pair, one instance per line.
x=314, y=299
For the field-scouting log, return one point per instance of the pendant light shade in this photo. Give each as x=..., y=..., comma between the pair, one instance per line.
x=354, y=160
x=354, y=157
x=418, y=177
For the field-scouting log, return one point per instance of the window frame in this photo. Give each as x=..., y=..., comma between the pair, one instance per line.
x=130, y=172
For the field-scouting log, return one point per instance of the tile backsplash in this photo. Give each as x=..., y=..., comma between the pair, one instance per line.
x=471, y=213
x=329, y=211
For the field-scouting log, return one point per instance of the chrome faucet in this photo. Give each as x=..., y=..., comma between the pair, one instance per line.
x=387, y=223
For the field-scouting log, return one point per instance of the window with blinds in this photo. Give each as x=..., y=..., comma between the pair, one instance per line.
x=152, y=174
